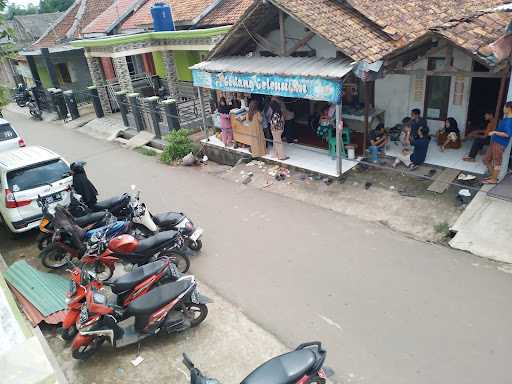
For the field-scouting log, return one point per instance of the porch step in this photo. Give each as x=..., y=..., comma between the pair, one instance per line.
x=140, y=139
x=443, y=180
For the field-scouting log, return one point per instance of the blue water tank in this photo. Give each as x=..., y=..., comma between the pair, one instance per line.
x=162, y=17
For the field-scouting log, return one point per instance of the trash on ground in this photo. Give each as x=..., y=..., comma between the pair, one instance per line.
x=367, y=185
x=137, y=361
x=188, y=160
x=465, y=177
x=465, y=193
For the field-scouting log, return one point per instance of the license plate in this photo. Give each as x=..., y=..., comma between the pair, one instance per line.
x=84, y=314
x=50, y=199
x=197, y=233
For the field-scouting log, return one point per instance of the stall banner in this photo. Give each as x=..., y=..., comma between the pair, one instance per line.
x=312, y=88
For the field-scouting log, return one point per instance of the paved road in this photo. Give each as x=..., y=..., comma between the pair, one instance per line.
x=389, y=309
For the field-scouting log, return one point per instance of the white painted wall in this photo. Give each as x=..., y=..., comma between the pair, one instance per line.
x=396, y=95
x=294, y=32
x=392, y=96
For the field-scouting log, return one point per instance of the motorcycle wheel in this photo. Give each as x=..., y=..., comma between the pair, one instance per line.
x=86, y=351
x=102, y=271
x=43, y=241
x=196, y=313
x=182, y=262
x=54, y=257
x=21, y=103
x=195, y=245
x=69, y=334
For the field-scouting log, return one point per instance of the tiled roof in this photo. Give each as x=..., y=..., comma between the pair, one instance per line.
x=409, y=19
x=227, y=13
x=182, y=12
x=346, y=28
x=110, y=15
x=72, y=22
x=477, y=31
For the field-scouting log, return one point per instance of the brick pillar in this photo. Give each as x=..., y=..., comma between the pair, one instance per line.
x=123, y=73
x=98, y=80
x=172, y=75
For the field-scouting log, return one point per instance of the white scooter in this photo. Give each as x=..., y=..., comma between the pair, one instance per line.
x=150, y=224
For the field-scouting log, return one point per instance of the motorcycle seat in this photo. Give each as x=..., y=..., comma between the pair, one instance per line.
x=90, y=218
x=131, y=279
x=158, y=297
x=113, y=202
x=284, y=369
x=167, y=219
x=155, y=241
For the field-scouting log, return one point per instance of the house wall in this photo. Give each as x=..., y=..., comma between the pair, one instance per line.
x=296, y=31
x=398, y=94
x=77, y=67
x=6, y=75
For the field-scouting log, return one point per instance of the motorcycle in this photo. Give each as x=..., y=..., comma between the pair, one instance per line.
x=301, y=366
x=70, y=241
x=125, y=289
x=22, y=95
x=147, y=223
x=46, y=229
x=34, y=109
x=172, y=307
x=103, y=256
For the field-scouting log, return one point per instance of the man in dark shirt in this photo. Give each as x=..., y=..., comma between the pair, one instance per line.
x=419, y=154
x=416, y=122
x=378, y=140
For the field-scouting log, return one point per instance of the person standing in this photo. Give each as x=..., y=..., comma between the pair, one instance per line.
x=499, y=141
x=225, y=122
x=416, y=122
x=277, y=127
x=481, y=137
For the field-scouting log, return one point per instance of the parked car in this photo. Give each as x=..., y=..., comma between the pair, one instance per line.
x=9, y=138
x=26, y=174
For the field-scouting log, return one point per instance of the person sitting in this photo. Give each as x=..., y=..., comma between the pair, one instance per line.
x=405, y=135
x=419, y=154
x=378, y=141
x=449, y=136
x=82, y=185
x=481, y=136
x=416, y=122
x=499, y=141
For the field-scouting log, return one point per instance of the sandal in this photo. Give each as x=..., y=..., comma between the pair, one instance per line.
x=490, y=181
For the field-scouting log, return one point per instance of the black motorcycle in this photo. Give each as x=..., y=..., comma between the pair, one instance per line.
x=302, y=366
x=22, y=96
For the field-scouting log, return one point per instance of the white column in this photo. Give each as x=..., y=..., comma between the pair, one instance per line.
x=339, y=139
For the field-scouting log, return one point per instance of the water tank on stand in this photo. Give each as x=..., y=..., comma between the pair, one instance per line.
x=162, y=17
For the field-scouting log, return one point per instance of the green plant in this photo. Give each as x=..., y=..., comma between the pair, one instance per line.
x=177, y=145
x=146, y=151
x=442, y=228
x=5, y=96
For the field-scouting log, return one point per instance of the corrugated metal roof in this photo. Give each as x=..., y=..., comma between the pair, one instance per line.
x=284, y=66
x=33, y=314
x=46, y=291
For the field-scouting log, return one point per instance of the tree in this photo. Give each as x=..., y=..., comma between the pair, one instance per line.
x=6, y=33
x=47, y=6
x=19, y=10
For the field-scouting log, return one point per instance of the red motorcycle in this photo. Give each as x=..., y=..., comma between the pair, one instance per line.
x=104, y=256
x=172, y=307
x=302, y=366
x=125, y=289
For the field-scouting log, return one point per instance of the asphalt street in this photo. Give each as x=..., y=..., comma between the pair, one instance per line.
x=389, y=309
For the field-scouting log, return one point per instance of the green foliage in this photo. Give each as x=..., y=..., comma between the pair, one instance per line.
x=47, y=6
x=146, y=151
x=442, y=228
x=178, y=144
x=20, y=10
x=5, y=96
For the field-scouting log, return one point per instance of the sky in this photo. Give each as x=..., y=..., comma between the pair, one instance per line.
x=23, y=2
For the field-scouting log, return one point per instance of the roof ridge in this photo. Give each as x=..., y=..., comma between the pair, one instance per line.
x=76, y=22
x=57, y=22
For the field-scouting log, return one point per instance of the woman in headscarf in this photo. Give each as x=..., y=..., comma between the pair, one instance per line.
x=82, y=185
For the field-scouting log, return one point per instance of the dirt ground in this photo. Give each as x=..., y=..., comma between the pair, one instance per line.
x=395, y=198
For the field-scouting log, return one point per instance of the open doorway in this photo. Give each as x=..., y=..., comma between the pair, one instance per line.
x=483, y=98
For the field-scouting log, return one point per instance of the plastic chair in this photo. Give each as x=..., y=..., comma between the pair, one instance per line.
x=331, y=140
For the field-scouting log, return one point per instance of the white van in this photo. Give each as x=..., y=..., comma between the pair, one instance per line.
x=25, y=174
x=9, y=138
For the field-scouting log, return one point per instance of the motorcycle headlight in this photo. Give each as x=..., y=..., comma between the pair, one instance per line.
x=189, y=226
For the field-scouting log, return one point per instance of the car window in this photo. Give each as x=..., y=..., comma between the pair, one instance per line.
x=37, y=175
x=7, y=133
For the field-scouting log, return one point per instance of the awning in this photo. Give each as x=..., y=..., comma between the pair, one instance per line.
x=312, y=78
